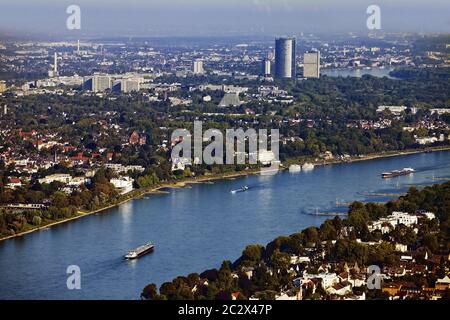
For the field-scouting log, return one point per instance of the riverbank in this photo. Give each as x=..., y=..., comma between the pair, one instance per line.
x=209, y=178
x=136, y=194
x=375, y=156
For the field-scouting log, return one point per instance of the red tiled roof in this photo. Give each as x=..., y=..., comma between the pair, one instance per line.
x=14, y=180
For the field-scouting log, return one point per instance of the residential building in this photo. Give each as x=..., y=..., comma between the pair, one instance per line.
x=123, y=184
x=58, y=177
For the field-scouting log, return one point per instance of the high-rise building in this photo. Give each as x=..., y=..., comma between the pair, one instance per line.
x=285, y=56
x=55, y=64
x=266, y=67
x=311, y=65
x=98, y=83
x=2, y=86
x=54, y=72
x=198, y=67
x=129, y=85
x=101, y=83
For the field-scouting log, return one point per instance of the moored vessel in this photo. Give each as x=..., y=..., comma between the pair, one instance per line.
x=295, y=168
x=308, y=166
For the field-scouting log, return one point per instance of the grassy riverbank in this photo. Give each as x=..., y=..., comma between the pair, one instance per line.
x=207, y=178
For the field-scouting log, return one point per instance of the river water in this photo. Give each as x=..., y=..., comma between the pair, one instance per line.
x=358, y=73
x=194, y=228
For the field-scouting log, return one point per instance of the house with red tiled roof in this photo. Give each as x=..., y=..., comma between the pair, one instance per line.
x=134, y=138
x=340, y=289
x=38, y=144
x=235, y=295
x=79, y=158
x=14, y=183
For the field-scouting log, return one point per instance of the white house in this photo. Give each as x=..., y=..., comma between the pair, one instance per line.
x=180, y=164
x=429, y=215
x=58, y=177
x=404, y=218
x=14, y=183
x=296, y=259
x=397, y=110
x=123, y=184
x=328, y=279
x=393, y=220
x=78, y=181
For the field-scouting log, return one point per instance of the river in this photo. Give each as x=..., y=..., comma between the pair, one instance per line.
x=358, y=72
x=194, y=228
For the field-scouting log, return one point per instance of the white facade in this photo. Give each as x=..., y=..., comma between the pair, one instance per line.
x=63, y=178
x=405, y=218
x=426, y=140
x=328, y=279
x=124, y=184
x=393, y=220
x=119, y=168
x=429, y=215
x=396, y=109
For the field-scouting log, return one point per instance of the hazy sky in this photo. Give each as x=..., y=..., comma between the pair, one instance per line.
x=221, y=17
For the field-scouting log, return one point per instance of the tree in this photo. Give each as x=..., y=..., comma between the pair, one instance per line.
x=280, y=261
x=60, y=200
x=252, y=254
x=149, y=292
x=311, y=235
x=431, y=242
x=327, y=231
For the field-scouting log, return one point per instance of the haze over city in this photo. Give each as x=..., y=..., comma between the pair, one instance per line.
x=219, y=18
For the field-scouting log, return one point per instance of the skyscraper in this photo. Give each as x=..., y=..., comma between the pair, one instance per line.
x=198, y=66
x=311, y=65
x=285, y=53
x=2, y=86
x=97, y=83
x=266, y=65
x=54, y=72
